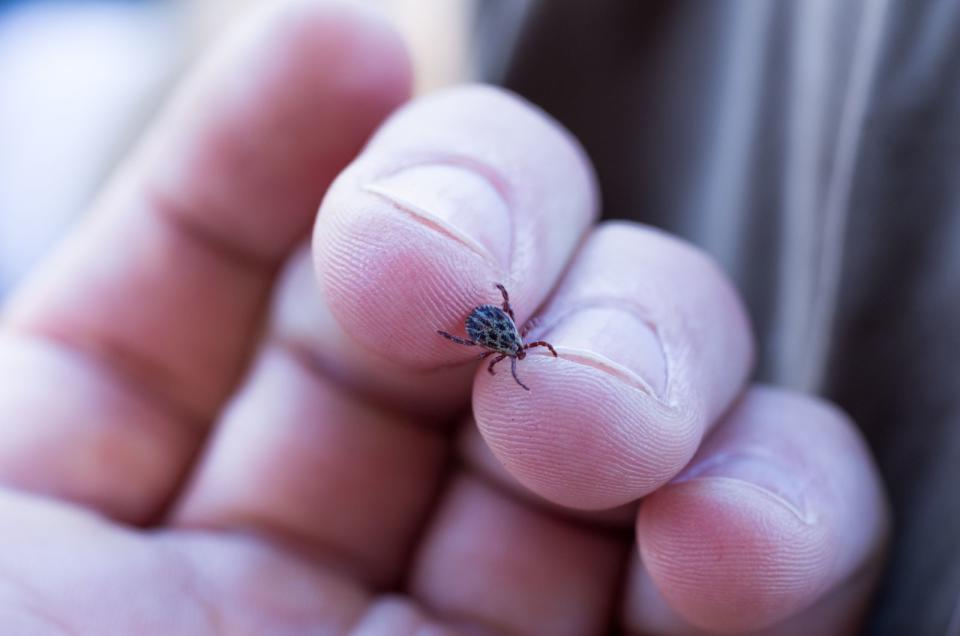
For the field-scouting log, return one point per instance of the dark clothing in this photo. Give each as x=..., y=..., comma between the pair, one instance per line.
x=814, y=148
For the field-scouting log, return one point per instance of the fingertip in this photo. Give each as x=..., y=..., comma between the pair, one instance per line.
x=459, y=190
x=266, y=121
x=729, y=556
x=301, y=319
x=781, y=510
x=360, y=35
x=582, y=437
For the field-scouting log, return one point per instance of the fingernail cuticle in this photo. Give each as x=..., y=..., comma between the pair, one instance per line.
x=616, y=340
x=454, y=200
x=757, y=469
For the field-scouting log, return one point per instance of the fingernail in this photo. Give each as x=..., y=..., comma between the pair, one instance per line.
x=758, y=469
x=617, y=341
x=455, y=200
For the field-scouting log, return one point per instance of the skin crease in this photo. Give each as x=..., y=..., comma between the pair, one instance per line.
x=198, y=440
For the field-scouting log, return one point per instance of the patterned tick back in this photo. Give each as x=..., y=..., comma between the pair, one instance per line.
x=495, y=330
x=491, y=327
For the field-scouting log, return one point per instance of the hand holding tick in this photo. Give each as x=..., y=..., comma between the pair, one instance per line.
x=212, y=426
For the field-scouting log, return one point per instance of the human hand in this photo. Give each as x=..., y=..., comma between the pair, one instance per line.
x=199, y=440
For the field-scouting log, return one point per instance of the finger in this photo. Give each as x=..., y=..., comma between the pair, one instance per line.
x=487, y=560
x=299, y=461
x=782, y=508
x=654, y=344
x=396, y=616
x=478, y=456
x=307, y=455
x=144, y=319
x=838, y=612
x=72, y=572
x=302, y=321
x=458, y=191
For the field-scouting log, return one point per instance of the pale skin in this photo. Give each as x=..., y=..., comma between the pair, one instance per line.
x=335, y=494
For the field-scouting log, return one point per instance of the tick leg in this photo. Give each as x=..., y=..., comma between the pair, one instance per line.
x=506, y=301
x=486, y=354
x=513, y=370
x=533, y=322
x=494, y=361
x=541, y=343
x=457, y=339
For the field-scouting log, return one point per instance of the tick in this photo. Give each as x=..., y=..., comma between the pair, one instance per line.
x=495, y=329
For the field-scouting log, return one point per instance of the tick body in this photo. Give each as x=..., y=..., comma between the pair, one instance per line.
x=495, y=329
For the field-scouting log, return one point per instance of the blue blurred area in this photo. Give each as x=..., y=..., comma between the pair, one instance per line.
x=6, y=5
x=77, y=82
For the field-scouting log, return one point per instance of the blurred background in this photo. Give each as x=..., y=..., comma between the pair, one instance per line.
x=79, y=80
